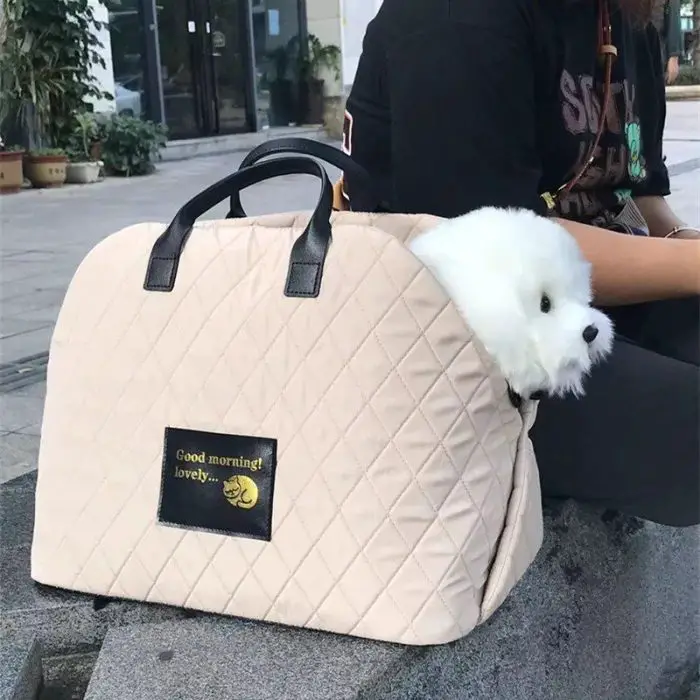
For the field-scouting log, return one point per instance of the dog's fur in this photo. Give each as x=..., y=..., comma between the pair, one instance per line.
x=497, y=265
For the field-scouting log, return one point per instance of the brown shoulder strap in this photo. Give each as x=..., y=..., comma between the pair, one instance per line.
x=607, y=53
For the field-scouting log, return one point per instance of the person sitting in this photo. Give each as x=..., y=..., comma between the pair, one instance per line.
x=557, y=106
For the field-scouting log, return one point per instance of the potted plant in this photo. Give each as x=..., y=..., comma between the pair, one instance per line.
x=49, y=52
x=312, y=62
x=66, y=55
x=46, y=167
x=30, y=78
x=82, y=167
x=130, y=145
x=11, y=173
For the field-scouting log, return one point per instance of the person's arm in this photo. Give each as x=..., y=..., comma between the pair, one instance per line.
x=674, y=35
x=632, y=269
x=662, y=220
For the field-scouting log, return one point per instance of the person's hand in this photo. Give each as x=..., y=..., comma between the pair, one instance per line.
x=672, y=70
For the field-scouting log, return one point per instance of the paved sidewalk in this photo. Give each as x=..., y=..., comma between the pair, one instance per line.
x=45, y=234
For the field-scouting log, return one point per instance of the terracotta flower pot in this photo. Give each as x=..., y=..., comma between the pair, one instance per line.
x=11, y=172
x=46, y=171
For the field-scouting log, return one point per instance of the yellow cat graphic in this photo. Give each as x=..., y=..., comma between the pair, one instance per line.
x=241, y=491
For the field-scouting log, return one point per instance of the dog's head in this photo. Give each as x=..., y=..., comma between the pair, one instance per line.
x=554, y=336
x=524, y=287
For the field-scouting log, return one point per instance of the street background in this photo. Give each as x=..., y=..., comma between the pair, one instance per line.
x=44, y=234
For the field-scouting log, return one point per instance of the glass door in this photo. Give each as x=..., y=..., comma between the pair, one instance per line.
x=205, y=66
x=227, y=45
x=126, y=39
x=178, y=53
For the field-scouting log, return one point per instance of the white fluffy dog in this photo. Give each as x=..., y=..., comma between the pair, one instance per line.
x=524, y=287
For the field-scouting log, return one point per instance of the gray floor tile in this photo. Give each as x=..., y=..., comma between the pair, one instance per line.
x=18, y=412
x=20, y=666
x=18, y=455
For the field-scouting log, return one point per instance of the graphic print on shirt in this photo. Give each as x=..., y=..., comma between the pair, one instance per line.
x=635, y=167
x=619, y=155
x=623, y=194
x=347, y=133
x=346, y=147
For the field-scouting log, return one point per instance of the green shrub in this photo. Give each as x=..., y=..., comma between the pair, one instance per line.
x=130, y=145
x=38, y=152
x=688, y=75
x=83, y=143
x=48, y=55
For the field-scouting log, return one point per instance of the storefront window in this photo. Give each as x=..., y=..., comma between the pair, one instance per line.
x=205, y=66
x=209, y=65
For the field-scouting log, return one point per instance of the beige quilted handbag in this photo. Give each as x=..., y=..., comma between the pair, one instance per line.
x=255, y=418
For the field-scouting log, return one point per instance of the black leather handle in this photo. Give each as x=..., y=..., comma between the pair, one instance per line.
x=308, y=147
x=309, y=250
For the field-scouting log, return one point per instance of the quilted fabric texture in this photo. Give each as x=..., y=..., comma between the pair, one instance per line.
x=406, y=501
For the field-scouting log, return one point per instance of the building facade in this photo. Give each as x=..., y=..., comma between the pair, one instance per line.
x=210, y=67
x=355, y=15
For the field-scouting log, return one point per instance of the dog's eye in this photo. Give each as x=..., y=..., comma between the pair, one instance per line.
x=545, y=304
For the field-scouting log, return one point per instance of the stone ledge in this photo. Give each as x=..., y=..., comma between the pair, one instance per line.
x=65, y=622
x=216, y=658
x=67, y=677
x=607, y=612
x=682, y=92
x=233, y=143
x=20, y=666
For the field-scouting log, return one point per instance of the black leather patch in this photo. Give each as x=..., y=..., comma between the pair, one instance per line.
x=218, y=483
x=303, y=280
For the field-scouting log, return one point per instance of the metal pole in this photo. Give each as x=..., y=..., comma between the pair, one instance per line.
x=303, y=27
x=153, y=82
x=251, y=87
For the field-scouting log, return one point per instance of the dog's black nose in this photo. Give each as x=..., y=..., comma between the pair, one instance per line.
x=590, y=333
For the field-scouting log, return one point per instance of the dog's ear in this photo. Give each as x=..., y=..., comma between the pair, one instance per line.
x=501, y=325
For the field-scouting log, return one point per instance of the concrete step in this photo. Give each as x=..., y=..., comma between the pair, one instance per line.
x=608, y=612
x=215, y=658
x=232, y=143
x=66, y=623
x=20, y=666
x=67, y=677
x=682, y=92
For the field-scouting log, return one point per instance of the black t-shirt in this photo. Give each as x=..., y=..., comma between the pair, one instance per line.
x=459, y=104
